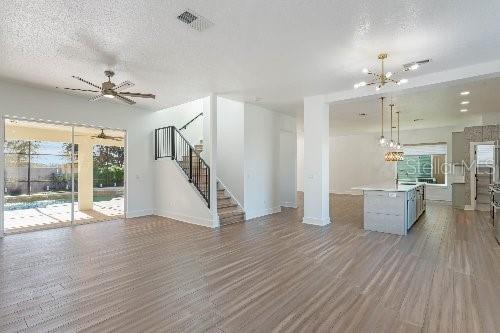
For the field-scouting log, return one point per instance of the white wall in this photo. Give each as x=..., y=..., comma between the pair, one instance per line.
x=300, y=161
x=358, y=160
x=176, y=198
x=179, y=115
x=230, y=146
x=261, y=162
x=288, y=161
x=288, y=169
x=40, y=104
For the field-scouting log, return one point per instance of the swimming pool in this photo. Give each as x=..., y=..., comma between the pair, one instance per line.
x=44, y=203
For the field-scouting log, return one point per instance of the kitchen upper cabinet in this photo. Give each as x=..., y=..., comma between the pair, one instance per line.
x=457, y=147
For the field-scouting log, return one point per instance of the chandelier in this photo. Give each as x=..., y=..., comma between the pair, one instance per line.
x=381, y=79
x=394, y=156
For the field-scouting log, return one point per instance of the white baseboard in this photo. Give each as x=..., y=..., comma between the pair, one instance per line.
x=264, y=212
x=289, y=204
x=201, y=221
x=138, y=213
x=316, y=221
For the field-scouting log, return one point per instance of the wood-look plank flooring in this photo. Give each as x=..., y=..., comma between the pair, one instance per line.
x=272, y=274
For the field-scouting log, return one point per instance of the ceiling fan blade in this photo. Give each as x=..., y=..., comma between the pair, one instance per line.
x=131, y=94
x=123, y=85
x=125, y=99
x=87, y=82
x=95, y=98
x=79, y=89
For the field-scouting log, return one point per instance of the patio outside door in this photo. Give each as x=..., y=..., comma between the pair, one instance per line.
x=56, y=175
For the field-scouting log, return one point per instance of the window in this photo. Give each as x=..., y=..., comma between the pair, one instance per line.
x=423, y=163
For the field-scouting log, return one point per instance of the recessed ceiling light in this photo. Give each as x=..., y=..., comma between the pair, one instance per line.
x=465, y=102
x=465, y=93
x=464, y=110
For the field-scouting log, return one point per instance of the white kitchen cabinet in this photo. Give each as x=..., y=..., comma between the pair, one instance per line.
x=393, y=209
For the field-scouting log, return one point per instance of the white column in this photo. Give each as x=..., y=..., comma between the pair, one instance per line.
x=85, y=175
x=316, y=161
x=212, y=157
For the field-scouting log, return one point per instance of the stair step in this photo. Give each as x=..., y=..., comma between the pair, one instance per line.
x=229, y=212
x=225, y=203
x=231, y=220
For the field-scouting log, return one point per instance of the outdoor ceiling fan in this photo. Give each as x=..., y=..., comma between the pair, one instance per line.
x=102, y=135
x=110, y=90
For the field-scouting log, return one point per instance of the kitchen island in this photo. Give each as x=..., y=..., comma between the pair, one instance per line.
x=393, y=209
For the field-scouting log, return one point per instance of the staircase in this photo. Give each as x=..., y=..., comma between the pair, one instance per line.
x=169, y=142
x=228, y=210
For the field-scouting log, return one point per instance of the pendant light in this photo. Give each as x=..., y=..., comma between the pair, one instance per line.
x=382, y=140
x=395, y=153
x=398, y=145
x=391, y=142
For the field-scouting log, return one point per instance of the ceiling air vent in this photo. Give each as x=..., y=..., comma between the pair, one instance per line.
x=195, y=21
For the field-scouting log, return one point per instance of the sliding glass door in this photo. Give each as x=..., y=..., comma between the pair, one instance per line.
x=56, y=175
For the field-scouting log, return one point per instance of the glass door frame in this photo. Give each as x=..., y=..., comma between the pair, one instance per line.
x=72, y=125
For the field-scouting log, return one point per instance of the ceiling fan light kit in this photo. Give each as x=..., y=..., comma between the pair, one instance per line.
x=110, y=90
x=382, y=78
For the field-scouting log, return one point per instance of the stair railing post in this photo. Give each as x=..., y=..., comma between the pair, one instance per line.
x=172, y=133
x=156, y=144
x=190, y=164
x=208, y=185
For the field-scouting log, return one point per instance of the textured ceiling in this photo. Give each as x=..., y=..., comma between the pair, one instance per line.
x=273, y=51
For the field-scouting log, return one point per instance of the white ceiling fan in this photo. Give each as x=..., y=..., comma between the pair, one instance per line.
x=110, y=90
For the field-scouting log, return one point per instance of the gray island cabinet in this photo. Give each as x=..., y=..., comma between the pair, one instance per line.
x=393, y=209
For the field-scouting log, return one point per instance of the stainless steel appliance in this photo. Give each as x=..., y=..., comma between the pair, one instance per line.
x=494, y=199
x=496, y=222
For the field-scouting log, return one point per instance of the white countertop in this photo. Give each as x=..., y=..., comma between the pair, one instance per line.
x=388, y=187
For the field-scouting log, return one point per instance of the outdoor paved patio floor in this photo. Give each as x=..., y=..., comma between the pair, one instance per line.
x=60, y=215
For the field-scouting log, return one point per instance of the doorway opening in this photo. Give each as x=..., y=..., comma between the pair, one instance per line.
x=58, y=175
